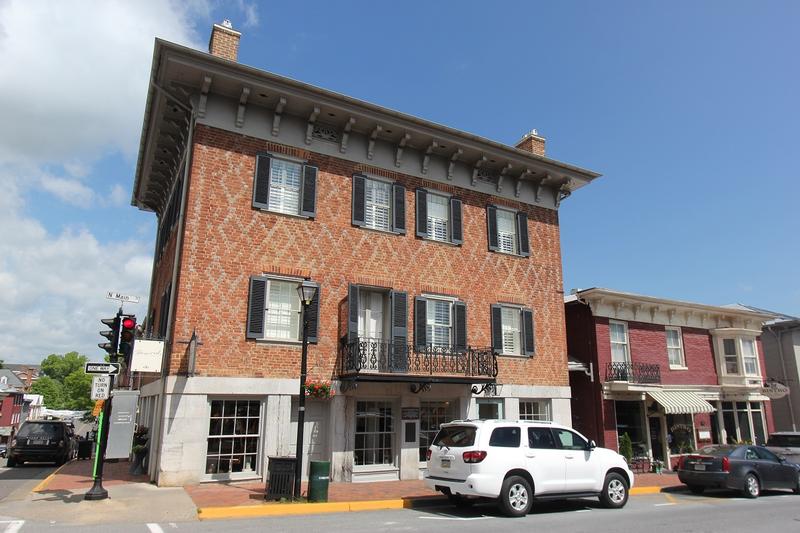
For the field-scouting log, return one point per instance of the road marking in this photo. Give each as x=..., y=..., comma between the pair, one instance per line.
x=664, y=504
x=154, y=528
x=173, y=525
x=583, y=511
x=14, y=526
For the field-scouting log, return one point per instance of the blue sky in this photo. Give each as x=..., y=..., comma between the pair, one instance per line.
x=688, y=109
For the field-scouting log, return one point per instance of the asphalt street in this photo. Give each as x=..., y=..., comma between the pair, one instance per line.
x=19, y=481
x=658, y=513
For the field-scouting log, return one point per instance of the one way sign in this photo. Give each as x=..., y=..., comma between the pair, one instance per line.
x=102, y=368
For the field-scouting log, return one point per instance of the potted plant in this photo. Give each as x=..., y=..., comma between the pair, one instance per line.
x=657, y=466
x=139, y=449
x=319, y=389
x=626, y=447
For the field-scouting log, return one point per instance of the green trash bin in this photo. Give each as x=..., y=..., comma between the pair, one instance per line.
x=319, y=476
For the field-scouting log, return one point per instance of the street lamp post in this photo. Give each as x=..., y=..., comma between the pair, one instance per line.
x=306, y=290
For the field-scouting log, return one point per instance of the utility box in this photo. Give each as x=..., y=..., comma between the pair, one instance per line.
x=123, y=420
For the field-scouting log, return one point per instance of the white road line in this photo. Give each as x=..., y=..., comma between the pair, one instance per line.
x=154, y=528
x=662, y=504
x=14, y=526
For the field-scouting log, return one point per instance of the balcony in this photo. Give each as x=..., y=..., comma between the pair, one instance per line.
x=382, y=360
x=634, y=373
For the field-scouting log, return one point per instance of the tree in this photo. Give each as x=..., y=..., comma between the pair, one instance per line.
x=59, y=367
x=77, y=391
x=626, y=447
x=51, y=390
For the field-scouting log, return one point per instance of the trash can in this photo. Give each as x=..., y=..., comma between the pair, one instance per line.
x=319, y=476
x=84, y=449
x=280, y=478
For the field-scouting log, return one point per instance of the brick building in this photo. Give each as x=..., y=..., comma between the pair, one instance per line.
x=12, y=395
x=436, y=253
x=672, y=375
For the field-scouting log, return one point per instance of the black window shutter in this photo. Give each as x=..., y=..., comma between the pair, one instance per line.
x=261, y=185
x=313, y=317
x=497, y=328
x=528, y=332
x=422, y=213
x=420, y=322
x=399, y=209
x=352, y=318
x=399, y=349
x=456, y=223
x=359, y=199
x=522, y=235
x=491, y=227
x=309, y=204
x=460, y=309
x=256, y=307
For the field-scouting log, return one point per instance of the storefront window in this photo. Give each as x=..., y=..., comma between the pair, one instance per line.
x=233, y=435
x=630, y=421
x=490, y=409
x=744, y=422
x=374, y=439
x=431, y=416
x=680, y=434
x=758, y=423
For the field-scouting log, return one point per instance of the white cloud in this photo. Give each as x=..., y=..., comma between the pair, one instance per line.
x=250, y=12
x=119, y=196
x=68, y=190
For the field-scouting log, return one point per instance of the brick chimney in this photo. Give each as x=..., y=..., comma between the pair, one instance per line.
x=532, y=142
x=224, y=41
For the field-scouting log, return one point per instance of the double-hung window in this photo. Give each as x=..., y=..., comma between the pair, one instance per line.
x=675, y=348
x=618, y=331
x=534, y=409
x=378, y=207
x=749, y=357
x=731, y=357
x=440, y=322
x=507, y=231
x=285, y=186
x=274, y=310
x=438, y=217
x=512, y=330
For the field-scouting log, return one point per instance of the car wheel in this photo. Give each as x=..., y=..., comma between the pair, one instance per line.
x=697, y=489
x=615, y=491
x=460, y=501
x=11, y=462
x=796, y=489
x=752, y=488
x=516, y=496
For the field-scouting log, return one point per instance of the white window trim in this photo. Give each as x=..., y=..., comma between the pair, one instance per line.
x=428, y=321
x=518, y=308
x=396, y=443
x=627, y=341
x=294, y=161
x=548, y=408
x=272, y=340
x=447, y=197
x=672, y=366
x=384, y=181
x=237, y=476
x=737, y=340
x=516, y=231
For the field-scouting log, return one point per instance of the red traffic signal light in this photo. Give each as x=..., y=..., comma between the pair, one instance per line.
x=127, y=336
x=129, y=322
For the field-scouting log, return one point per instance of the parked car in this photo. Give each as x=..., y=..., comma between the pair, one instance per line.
x=785, y=444
x=746, y=468
x=43, y=441
x=516, y=463
x=3, y=448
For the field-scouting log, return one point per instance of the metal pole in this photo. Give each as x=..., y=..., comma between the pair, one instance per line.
x=97, y=492
x=301, y=411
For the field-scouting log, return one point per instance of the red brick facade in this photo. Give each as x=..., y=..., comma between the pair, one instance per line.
x=226, y=241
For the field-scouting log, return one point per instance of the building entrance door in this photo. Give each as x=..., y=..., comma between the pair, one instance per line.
x=656, y=439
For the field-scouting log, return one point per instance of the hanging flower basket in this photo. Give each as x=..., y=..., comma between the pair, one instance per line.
x=319, y=389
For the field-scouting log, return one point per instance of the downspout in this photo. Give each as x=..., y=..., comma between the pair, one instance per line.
x=779, y=337
x=175, y=272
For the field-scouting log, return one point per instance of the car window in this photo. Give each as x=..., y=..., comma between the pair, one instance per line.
x=716, y=450
x=750, y=454
x=455, y=436
x=40, y=431
x=788, y=441
x=568, y=440
x=767, y=455
x=505, y=437
x=541, y=438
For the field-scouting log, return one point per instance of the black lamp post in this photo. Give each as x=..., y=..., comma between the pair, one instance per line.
x=306, y=290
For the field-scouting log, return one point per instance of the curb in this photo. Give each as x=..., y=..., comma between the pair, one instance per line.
x=42, y=486
x=292, y=509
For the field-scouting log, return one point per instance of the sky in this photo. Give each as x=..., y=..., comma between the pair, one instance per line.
x=688, y=109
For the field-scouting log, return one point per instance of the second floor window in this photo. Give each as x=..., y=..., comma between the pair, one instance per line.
x=285, y=186
x=507, y=231
x=675, y=347
x=438, y=218
x=749, y=357
x=618, y=331
x=512, y=330
x=378, y=204
x=274, y=310
x=439, y=325
x=440, y=322
x=731, y=357
x=378, y=208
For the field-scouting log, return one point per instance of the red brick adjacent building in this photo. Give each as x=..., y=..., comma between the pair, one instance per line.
x=672, y=375
x=436, y=254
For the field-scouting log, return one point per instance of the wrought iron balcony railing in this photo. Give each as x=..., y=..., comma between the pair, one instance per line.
x=378, y=356
x=633, y=372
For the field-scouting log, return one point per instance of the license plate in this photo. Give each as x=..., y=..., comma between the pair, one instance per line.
x=38, y=442
x=699, y=467
x=445, y=463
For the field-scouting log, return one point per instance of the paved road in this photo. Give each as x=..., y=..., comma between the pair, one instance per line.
x=658, y=513
x=18, y=481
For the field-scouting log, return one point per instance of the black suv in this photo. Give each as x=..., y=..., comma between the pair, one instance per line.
x=42, y=440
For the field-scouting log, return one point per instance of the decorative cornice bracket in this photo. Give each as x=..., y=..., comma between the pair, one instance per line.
x=312, y=119
x=346, y=134
x=201, y=106
x=427, y=158
x=478, y=164
x=276, y=119
x=242, y=107
x=398, y=159
x=372, y=137
x=453, y=158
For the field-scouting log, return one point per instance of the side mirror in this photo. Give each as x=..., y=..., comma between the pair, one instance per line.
x=591, y=446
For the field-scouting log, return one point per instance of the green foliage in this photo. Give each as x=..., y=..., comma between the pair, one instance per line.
x=64, y=384
x=626, y=447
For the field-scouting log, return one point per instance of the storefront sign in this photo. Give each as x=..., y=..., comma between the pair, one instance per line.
x=774, y=390
x=409, y=413
x=704, y=434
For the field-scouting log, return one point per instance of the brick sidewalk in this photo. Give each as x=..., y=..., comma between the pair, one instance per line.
x=77, y=476
x=252, y=493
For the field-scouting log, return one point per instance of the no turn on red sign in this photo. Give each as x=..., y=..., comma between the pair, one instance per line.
x=101, y=386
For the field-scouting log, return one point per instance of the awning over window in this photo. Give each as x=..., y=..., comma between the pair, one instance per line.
x=681, y=402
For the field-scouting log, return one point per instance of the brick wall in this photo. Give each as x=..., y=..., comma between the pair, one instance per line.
x=586, y=403
x=224, y=43
x=227, y=241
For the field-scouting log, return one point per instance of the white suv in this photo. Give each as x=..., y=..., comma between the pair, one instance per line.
x=517, y=462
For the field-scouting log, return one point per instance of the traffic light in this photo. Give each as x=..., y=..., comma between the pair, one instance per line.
x=127, y=336
x=111, y=334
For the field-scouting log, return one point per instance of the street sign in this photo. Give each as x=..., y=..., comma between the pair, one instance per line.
x=100, y=387
x=111, y=295
x=102, y=368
